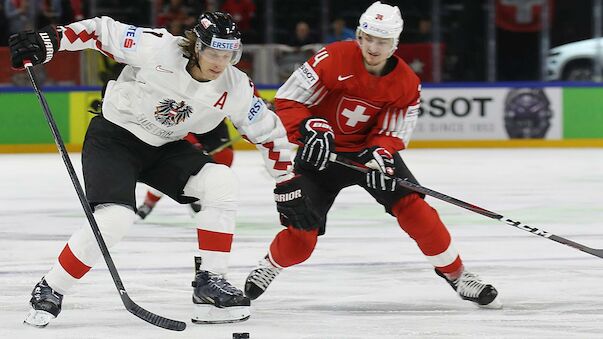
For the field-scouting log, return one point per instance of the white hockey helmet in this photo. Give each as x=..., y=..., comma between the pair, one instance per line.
x=382, y=21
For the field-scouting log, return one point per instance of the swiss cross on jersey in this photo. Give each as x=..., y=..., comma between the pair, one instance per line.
x=353, y=114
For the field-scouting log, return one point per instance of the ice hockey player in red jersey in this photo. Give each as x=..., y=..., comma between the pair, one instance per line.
x=170, y=86
x=357, y=99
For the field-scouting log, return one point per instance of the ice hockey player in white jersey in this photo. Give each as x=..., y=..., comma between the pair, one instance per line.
x=171, y=86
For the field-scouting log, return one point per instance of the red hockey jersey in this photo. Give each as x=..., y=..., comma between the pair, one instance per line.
x=364, y=110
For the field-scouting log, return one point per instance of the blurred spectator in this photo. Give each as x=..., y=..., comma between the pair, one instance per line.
x=176, y=28
x=211, y=6
x=175, y=10
x=51, y=12
x=518, y=29
x=417, y=21
x=303, y=35
x=3, y=26
x=243, y=12
x=21, y=14
x=71, y=11
x=77, y=10
x=340, y=31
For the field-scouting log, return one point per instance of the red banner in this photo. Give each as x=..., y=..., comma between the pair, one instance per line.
x=419, y=57
x=64, y=70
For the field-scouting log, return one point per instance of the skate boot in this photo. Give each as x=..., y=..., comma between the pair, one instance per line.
x=216, y=300
x=258, y=280
x=470, y=287
x=144, y=210
x=45, y=303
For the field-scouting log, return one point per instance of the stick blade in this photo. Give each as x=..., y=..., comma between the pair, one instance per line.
x=152, y=318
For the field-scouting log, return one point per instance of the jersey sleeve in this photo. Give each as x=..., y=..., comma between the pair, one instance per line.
x=395, y=125
x=124, y=43
x=306, y=87
x=262, y=127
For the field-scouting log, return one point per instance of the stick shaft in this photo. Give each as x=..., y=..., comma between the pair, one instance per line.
x=128, y=303
x=473, y=208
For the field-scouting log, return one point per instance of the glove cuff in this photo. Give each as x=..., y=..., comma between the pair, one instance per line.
x=316, y=124
x=51, y=38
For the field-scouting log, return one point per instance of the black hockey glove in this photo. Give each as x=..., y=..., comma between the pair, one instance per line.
x=36, y=46
x=293, y=207
x=318, y=143
x=381, y=162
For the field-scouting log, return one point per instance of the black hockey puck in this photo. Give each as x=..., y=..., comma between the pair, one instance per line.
x=241, y=335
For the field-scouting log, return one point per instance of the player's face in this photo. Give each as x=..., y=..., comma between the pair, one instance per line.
x=213, y=62
x=375, y=51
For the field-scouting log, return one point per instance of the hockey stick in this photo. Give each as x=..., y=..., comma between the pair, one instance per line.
x=226, y=144
x=130, y=305
x=473, y=208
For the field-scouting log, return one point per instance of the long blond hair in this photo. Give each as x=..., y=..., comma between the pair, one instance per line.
x=187, y=45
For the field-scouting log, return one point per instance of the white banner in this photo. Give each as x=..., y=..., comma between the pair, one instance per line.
x=490, y=114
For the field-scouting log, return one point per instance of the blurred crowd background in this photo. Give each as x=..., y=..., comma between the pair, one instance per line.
x=443, y=40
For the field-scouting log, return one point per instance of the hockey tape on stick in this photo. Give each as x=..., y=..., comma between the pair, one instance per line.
x=226, y=144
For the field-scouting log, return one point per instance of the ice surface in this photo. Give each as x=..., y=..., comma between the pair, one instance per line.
x=366, y=279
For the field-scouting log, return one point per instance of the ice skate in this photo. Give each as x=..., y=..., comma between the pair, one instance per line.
x=258, y=280
x=217, y=301
x=144, y=210
x=45, y=303
x=470, y=287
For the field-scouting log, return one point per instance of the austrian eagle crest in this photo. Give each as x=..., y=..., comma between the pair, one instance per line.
x=170, y=113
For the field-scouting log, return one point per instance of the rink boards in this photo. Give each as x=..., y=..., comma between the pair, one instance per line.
x=452, y=115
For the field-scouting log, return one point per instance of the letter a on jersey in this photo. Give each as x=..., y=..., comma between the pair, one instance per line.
x=353, y=114
x=220, y=103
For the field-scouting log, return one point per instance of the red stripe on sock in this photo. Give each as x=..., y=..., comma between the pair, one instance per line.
x=71, y=264
x=214, y=241
x=151, y=198
x=454, y=270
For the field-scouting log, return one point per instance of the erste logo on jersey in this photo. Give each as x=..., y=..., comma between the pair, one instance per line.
x=170, y=113
x=353, y=114
x=257, y=107
x=130, y=38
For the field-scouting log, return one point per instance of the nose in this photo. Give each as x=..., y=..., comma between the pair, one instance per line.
x=372, y=47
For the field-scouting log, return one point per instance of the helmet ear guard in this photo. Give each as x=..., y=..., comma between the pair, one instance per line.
x=218, y=31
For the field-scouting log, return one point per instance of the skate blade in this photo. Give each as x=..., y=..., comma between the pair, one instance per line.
x=496, y=304
x=209, y=314
x=38, y=318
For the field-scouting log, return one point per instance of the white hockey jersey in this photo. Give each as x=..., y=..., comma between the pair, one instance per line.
x=156, y=99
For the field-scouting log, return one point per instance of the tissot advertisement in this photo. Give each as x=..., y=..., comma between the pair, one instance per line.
x=490, y=114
